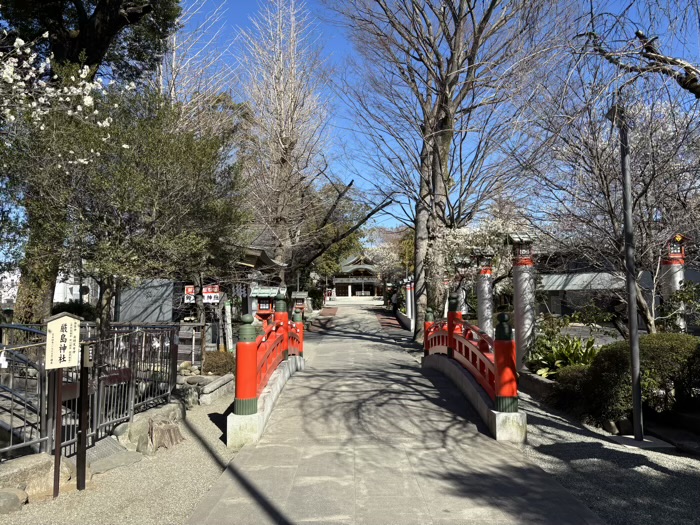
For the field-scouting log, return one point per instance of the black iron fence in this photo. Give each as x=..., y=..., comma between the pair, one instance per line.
x=133, y=369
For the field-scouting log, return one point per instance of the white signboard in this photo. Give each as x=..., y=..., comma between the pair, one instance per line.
x=211, y=293
x=212, y=298
x=62, y=341
x=189, y=294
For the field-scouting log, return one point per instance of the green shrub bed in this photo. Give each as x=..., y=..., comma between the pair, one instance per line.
x=602, y=391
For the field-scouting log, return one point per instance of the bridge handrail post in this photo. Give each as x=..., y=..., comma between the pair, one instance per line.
x=454, y=316
x=298, y=325
x=505, y=359
x=246, y=397
x=282, y=317
x=427, y=325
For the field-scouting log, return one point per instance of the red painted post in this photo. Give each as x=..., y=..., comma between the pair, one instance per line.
x=453, y=316
x=505, y=359
x=429, y=321
x=299, y=327
x=282, y=316
x=246, y=400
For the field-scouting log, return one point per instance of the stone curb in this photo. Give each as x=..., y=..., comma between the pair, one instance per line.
x=218, y=388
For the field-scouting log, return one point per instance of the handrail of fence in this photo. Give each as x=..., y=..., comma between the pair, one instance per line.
x=258, y=356
x=134, y=369
x=492, y=362
x=269, y=353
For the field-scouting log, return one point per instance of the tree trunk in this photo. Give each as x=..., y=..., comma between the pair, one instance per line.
x=436, y=265
x=39, y=268
x=645, y=311
x=421, y=252
x=199, y=299
x=104, y=306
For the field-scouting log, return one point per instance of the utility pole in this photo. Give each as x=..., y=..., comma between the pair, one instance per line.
x=617, y=116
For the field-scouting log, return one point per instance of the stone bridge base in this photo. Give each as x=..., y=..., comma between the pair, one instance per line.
x=504, y=426
x=243, y=430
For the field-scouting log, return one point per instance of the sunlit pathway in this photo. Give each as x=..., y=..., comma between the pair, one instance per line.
x=363, y=436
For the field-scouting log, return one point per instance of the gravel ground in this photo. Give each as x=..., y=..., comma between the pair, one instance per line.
x=162, y=489
x=622, y=485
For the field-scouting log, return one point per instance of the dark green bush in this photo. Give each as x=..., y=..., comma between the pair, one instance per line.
x=664, y=362
x=316, y=296
x=570, y=388
x=688, y=387
x=219, y=363
x=84, y=310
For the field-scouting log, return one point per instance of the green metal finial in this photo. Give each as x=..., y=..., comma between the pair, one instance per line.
x=247, y=333
x=429, y=315
x=453, y=302
x=504, y=332
x=297, y=316
x=280, y=303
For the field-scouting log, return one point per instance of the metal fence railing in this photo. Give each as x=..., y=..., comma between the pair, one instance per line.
x=133, y=369
x=22, y=403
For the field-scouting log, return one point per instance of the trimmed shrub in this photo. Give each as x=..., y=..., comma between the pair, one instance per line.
x=664, y=361
x=316, y=296
x=688, y=387
x=570, y=389
x=84, y=310
x=219, y=363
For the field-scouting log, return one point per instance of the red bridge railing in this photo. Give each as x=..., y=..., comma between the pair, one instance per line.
x=490, y=361
x=258, y=356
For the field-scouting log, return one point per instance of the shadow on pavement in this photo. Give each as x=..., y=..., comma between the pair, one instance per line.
x=264, y=503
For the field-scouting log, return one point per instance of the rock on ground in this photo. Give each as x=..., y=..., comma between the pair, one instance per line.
x=11, y=500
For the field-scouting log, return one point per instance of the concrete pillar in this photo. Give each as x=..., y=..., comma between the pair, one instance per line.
x=525, y=307
x=349, y=290
x=672, y=276
x=484, y=300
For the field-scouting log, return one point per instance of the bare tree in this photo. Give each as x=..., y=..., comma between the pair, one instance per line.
x=195, y=72
x=633, y=38
x=434, y=102
x=283, y=84
x=578, y=184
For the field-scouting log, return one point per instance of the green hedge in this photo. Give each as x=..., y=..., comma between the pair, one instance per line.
x=316, y=296
x=665, y=366
x=569, y=389
x=219, y=363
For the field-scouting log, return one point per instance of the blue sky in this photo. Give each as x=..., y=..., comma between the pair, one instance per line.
x=337, y=49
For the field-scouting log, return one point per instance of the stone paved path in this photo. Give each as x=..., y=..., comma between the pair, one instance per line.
x=363, y=436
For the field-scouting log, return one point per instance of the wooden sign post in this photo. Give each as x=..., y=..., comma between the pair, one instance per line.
x=62, y=351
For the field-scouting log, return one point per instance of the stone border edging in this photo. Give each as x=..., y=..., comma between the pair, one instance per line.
x=504, y=426
x=242, y=430
x=216, y=389
x=537, y=387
